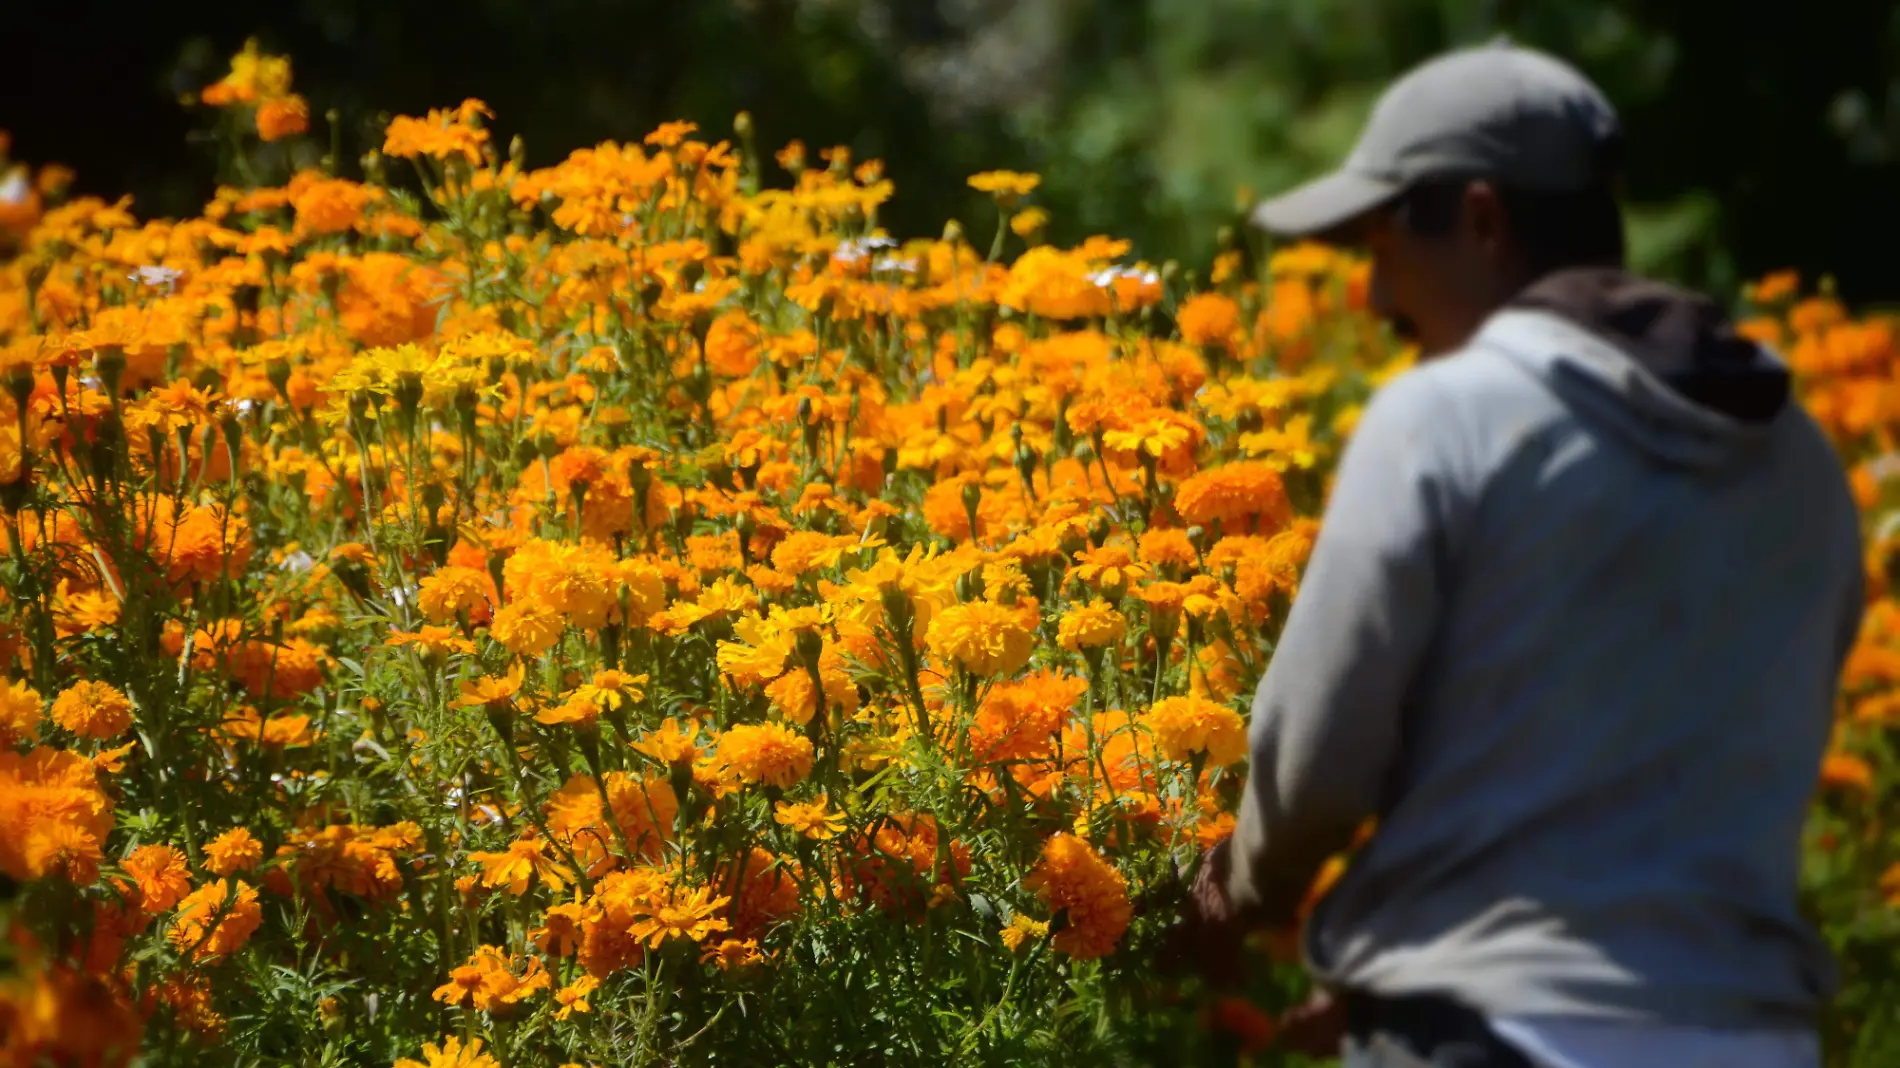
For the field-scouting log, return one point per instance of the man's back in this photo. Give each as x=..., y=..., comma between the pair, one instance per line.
x=1608, y=739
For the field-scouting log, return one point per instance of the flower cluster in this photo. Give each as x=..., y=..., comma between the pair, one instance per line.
x=628, y=591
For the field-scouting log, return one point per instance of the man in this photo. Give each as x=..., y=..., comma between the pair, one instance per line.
x=1570, y=634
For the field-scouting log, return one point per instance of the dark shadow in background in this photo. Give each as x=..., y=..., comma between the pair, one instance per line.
x=1789, y=113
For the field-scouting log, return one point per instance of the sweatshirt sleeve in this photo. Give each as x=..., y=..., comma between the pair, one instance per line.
x=1326, y=718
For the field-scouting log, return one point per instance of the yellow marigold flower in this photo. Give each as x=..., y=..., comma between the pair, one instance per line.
x=20, y=708
x=982, y=637
x=1005, y=185
x=581, y=582
x=1109, y=566
x=767, y=753
x=216, y=919
x=453, y=590
x=1072, y=876
x=489, y=691
x=527, y=628
x=233, y=851
x=760, y=655
x=451, y=1054
x=1021, y=929
x=813, y=819
x=1166, y=437
x=611, y=690
x=253, y=75
x=161, y=877
x=1028, y=222
x=1284, y=447
x=1183, y=726
x=93, y=710
x=581, y=713
x=672, y=744
x=1004, y=582
x=515, y=866
x=434, y=641
x=573, y=997
x=1090, y=626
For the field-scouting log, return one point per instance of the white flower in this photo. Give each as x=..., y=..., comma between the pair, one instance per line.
x=155, y=276
x=855, y=249
x=1108, y=276
x=298, y=562
x=14, y=188
x=892, y=263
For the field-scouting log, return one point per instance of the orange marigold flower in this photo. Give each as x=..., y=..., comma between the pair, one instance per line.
x=282, y=116
x=216, y=919
x=93, y=710
x=731, y=953
x=1845, y=771
x=20, y=709
x=233, y=851
x=1020, y=720
x=1249, y=492
x=63, y=847
x=767, y=753
x=1072, y=876
x=678, y=912
x=1245, y=1021
x=643, y=810
x=489, y=982
x=1209, y=319
x=441, y=134
x=161, y=877
x=1164, y=546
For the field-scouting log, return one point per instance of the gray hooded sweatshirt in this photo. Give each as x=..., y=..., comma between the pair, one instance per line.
x=1571, y=632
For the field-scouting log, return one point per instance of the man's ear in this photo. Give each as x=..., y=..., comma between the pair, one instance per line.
x=1484, y=217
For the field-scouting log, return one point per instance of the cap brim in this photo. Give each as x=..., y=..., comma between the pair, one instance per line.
x=1324, y=205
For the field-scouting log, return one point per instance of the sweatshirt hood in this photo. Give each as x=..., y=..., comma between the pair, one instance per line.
x=1662, y=366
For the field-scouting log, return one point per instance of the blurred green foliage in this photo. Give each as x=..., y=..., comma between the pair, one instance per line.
x=1761, y=135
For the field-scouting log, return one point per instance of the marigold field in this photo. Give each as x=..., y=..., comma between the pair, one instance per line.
x=637, y=612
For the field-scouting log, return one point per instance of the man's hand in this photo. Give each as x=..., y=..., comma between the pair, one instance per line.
x=1315, y=1029
x=1207, y=940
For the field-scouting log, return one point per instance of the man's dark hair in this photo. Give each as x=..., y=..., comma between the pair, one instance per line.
x=1583, y=228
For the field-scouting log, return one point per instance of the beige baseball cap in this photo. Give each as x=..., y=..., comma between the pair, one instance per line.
x=1514, y=115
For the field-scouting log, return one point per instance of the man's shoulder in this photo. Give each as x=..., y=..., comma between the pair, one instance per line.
x=1468, y=389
